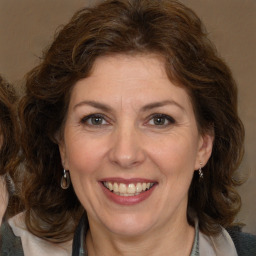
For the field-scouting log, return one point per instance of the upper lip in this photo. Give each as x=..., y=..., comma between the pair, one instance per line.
x=128, y=181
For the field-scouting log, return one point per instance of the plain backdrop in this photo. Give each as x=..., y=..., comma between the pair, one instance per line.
x=27, y=27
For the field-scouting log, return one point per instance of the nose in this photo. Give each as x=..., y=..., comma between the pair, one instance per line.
x=127, y=149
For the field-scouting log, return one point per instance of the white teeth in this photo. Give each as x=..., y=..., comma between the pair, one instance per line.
x=138, y=187
x=110, y=186
x=115, y=187
x=131, y=189
x=122, y=188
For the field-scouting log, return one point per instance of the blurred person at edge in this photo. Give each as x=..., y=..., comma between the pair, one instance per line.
x=8, y=143
x=131, y=138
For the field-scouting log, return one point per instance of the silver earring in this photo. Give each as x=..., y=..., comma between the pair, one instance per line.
x=200, y=171
x=65, y=180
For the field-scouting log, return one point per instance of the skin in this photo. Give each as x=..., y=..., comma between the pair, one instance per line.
x=128, y=142
x=3, y=191
x=3, y=198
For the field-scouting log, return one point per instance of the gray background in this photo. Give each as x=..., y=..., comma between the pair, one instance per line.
x=28, y=26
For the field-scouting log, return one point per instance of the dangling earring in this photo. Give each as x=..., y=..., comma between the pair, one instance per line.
x=200, y=171
x=65, y=180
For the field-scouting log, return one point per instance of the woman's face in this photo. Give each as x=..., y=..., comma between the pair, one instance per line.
x=131, y=144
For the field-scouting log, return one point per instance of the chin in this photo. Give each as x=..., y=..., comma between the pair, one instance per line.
x=129, y=225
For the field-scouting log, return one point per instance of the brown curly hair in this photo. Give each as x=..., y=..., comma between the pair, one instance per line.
x=8, y=121
x=9, y=133
x=164, y=27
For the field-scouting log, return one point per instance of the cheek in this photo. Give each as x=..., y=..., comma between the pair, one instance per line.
x=171, y=151
x=84, y=155
x=175, y=158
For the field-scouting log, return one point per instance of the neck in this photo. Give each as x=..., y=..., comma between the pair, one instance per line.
x=175, y=239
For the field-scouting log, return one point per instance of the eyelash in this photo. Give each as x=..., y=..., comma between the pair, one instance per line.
x=85, y=120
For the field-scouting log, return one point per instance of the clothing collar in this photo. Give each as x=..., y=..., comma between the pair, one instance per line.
x=219, y=245
x=79, y=238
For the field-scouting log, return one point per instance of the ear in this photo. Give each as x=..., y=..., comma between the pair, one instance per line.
x=63, y=153
x=204, y=149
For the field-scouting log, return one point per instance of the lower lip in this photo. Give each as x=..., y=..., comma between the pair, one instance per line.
x=127, y=200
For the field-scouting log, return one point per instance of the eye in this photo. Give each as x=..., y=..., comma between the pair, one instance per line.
x=94, y=120
x=161, y=120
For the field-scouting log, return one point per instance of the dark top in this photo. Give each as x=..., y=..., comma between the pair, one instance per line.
x=245, y=243
x=10, y=245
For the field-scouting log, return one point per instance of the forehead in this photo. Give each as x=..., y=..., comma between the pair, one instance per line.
x=121, y=75
x=127, y=64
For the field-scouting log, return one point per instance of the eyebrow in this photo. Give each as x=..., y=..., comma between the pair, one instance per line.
x=161, y=104
x=145, y=108
x=93, y=104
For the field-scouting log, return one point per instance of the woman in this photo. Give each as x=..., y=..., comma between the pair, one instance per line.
x=8, y=146
x=131, y=118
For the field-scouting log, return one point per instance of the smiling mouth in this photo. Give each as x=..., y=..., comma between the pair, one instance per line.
x=131, y=189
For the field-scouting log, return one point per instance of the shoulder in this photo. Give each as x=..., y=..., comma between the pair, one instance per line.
x=29, y=244
x=245, y=243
